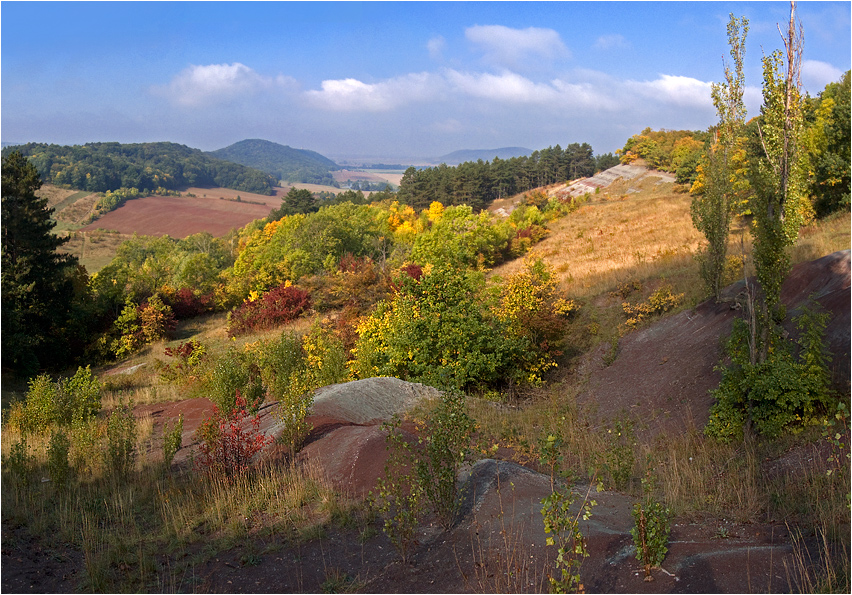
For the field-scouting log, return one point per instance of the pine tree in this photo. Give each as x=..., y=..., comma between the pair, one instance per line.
x=37, y=289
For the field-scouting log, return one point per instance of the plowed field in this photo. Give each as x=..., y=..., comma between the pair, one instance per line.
x=181, y=216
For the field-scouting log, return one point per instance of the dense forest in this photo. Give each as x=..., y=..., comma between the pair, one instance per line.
x=102, y=167
x=283, y=162
x=478, y=183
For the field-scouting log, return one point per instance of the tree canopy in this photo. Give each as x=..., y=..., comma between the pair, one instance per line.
x=99, y=167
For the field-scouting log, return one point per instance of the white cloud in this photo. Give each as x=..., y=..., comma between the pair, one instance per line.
x=816, y=75
x=507, y=87
x=217, y=83
x=609, y=42
x=514, y=48
x=354, y=95
x=436, y=47
x=682, y=91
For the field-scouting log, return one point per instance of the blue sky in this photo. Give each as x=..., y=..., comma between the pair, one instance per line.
x=386, y=80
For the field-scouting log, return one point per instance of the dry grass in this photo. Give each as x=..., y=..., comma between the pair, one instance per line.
x=619, y=235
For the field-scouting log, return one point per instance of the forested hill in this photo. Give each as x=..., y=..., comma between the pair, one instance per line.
x=281, y=161
x=98, y=167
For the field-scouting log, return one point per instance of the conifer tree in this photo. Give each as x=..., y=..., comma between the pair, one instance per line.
x=37, y=289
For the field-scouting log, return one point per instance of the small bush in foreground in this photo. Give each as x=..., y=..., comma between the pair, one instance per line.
x=229, y=440
x=652, y=528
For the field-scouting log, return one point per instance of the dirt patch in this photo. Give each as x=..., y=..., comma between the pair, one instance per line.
x=662, y=374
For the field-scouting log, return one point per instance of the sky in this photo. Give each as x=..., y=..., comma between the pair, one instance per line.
x=396, y=81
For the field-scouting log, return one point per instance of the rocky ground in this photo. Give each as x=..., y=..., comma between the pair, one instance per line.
x=660, y=376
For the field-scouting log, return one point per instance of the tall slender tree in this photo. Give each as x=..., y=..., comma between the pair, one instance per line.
x=37, y=281
x=712, y=211
x=778, y=178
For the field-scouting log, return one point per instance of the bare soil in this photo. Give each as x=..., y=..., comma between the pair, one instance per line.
x=661, y=375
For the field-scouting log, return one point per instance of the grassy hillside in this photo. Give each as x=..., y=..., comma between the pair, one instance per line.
x=158, y=530
x=283, y=162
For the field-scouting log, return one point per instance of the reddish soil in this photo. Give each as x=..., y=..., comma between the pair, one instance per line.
x=180, y=216
x=661, y=375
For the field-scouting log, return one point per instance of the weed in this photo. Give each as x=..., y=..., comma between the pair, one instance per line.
x=618, y=454
x=652, y=528
x=19, y=462
x=564, y=532
x=121, y=437
x=57, y=460
x=172, y=440
x=446, y=443
x=400, y=493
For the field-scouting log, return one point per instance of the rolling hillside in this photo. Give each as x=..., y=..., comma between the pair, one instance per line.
x=281, y=161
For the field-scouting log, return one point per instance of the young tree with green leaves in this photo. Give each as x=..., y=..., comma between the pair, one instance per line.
x=764, y=387
x=712, y=210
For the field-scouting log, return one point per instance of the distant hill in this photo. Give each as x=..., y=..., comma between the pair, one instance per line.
x=98, y=167
x=463, y=155
x=281, y=161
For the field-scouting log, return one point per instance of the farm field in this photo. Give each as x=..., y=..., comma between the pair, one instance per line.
x=391, y=176
x=182, y=216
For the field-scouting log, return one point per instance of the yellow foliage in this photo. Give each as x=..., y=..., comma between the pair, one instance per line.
x=436, y=210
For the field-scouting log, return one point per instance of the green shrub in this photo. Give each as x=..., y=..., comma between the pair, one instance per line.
x=40, y=409
x=436, y=330
x=57, y=460
x=236, y=371
x=446, y=446
x=59, y=403
x=778, y=395
x=172, y=440
x=121, y=440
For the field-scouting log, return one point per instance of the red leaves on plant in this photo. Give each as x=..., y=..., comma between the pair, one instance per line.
x=275, y=307
x=230, y=442
x=186, y=304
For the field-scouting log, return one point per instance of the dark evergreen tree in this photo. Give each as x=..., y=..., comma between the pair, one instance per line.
x=297, y=200
x=37, y=281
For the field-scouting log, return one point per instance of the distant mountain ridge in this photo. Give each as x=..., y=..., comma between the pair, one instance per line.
x=462, y=155
x=281, y=161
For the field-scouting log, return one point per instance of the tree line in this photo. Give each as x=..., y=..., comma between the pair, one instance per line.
x=479, y=183
x=102, y=167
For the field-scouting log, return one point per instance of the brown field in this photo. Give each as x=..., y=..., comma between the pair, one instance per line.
x=367, y=176
x=182, y=216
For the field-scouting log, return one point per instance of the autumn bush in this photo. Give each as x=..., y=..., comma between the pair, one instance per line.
x=275, y=307
x=229, y=440
x=436, y=329
x=138, y=325
x=186, y=303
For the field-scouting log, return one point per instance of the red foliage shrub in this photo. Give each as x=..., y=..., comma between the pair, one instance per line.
x=186, y=304
x=415, y=271
x=229, y=441
x=275, y=307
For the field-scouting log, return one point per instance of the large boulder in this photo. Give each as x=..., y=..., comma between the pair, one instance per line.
x=347, y=443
